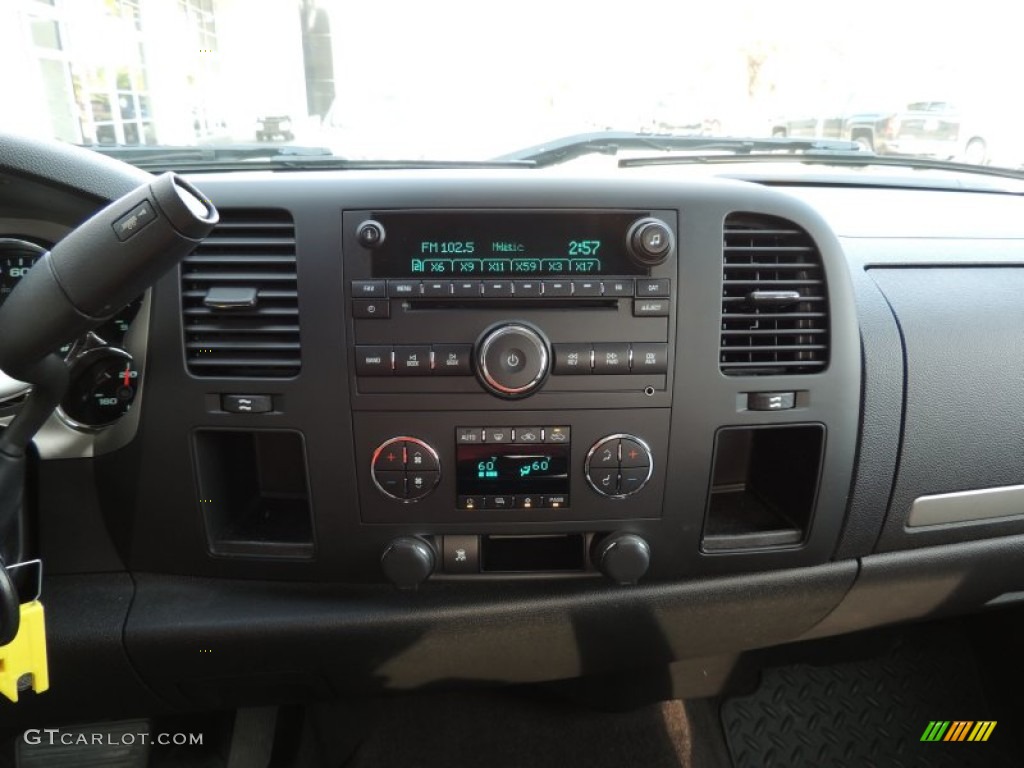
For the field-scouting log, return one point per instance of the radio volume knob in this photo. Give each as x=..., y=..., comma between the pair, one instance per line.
x=512, y=360
x=649, y=242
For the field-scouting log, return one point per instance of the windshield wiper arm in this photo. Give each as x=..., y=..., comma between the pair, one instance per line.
x=610, y=142
x=858, y=159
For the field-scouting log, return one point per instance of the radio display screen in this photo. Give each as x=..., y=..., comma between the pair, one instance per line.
x=511, y=469
x=511, y=245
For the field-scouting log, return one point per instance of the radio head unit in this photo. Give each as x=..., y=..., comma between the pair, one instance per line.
x=505, y=244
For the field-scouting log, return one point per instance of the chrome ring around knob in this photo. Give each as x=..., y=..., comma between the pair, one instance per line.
x=489, y=378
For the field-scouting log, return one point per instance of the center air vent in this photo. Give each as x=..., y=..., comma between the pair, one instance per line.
x=774, y=299
x=240, y=298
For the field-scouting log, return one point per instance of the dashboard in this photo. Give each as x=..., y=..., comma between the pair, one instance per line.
x=586, y=424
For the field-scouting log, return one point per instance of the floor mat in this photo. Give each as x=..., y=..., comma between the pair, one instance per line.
x=871, y=713
x=507, y=731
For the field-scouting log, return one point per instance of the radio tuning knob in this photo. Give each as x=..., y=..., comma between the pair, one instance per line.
x=649, y=242
x=622, y=557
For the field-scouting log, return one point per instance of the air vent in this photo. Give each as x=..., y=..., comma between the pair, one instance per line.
x=240, y=298
x=774, y=299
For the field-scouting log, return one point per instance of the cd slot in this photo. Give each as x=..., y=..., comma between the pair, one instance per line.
x=511, y=303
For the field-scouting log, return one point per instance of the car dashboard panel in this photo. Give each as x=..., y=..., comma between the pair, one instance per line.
x=514, y=394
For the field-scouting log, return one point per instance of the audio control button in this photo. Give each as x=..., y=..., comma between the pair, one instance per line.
x=373, y=360
x=437, y=288
x=586, y=287
x=572, y=358
x=652, y=288
x=528, y=288
x=611, y=358
x=650, y=357
x=368, y=289
x=412, y=361
x=466, y=289
x=371, y=309
x=401, y=289
x=557, y=288
x=622, y=287
x=497, y=288
x=512, y=360
x=452, y=359
x=650, y=307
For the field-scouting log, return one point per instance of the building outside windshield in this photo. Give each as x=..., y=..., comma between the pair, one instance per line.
x=466, y=80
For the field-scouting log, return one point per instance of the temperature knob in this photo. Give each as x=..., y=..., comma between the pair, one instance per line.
x=619, y=465
x=104, y=382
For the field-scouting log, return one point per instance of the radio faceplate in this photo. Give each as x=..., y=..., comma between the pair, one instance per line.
x=429, y=288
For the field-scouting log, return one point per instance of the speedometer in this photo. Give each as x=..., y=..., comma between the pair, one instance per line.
x=16, y=259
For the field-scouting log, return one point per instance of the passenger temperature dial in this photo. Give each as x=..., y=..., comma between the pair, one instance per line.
x=405, y=468
x=619, y=465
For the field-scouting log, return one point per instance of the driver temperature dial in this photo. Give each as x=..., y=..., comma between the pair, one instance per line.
x=619, y=465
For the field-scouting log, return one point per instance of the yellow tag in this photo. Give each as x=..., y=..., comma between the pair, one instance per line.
x=26, y=653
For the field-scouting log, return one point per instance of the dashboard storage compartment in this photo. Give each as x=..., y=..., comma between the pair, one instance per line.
x=763, y=488
x=253, y=493
x=533, y=554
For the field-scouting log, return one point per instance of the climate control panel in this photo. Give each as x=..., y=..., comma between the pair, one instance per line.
x=483, y=467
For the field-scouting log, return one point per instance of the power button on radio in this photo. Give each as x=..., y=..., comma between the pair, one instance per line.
x=513, y=360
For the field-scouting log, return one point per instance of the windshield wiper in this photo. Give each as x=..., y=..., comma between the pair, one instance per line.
x=241, y=157
x=610, y=142
x=159, y=156
x=857, y=159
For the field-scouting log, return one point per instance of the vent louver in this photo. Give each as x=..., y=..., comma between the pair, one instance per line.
x=774, y=299
x=240, y=298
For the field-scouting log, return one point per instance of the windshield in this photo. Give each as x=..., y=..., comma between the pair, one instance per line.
x=458, y=81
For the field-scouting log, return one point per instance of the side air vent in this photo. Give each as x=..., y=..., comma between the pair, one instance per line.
x=240, y=298
x=774, y=299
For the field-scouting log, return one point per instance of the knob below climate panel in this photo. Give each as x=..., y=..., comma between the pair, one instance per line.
x=512, y=360
x=618, y=466
x=408, y=561
x=649, y=242
x=405, y=469
x=622, y=557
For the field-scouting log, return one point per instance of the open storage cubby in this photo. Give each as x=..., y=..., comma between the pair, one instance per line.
x=253, y=493
x=763, y=488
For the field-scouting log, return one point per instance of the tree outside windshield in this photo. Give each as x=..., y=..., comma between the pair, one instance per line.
x=461, y=80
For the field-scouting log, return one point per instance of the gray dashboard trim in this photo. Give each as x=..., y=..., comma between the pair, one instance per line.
x=966, y=506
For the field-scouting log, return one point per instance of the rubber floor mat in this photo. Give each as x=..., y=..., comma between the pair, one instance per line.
x=871, y=713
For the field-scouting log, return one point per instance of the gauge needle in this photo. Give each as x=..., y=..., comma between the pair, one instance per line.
x=127, y=376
